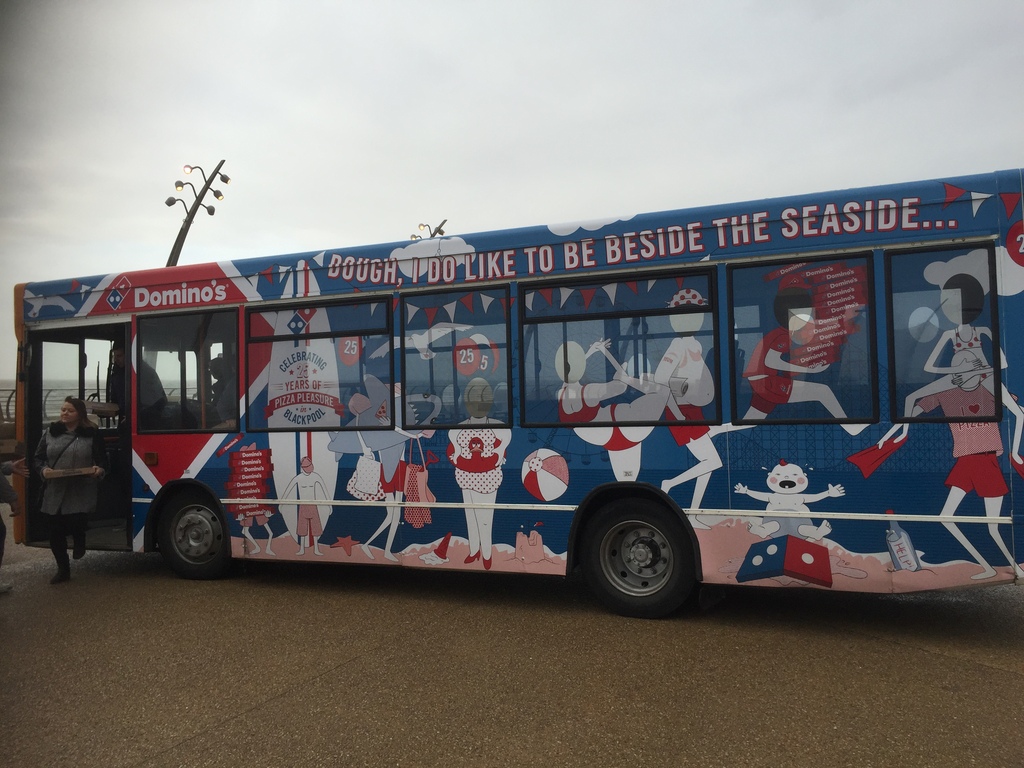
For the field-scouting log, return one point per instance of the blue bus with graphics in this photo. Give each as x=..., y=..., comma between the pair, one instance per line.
x=813, y=391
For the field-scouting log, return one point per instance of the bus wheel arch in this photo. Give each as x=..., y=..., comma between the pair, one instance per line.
x=192, y=532
x=637, y=551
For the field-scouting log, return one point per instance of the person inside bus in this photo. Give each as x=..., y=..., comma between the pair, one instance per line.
x=152, y=397
x=8, y=496
x=117, y=393
x=223, y=390
x=117, y=381
x=71, y=459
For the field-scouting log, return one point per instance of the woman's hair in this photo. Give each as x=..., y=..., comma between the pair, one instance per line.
x=972, y=295
x=79, y=406
x=790, y=300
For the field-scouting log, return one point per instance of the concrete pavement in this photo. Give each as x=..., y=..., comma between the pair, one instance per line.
x=127, y=665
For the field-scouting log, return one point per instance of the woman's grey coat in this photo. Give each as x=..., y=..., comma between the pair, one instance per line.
x=61, y=449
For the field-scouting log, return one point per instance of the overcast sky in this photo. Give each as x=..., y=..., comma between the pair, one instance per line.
x=348, y=123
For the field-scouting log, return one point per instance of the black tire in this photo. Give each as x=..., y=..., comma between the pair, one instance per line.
x=637, y=558
x=194, y=537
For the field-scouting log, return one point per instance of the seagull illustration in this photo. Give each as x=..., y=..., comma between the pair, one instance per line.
x=38, y=302
x=422, y=341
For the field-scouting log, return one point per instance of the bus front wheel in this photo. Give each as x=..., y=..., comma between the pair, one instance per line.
x=637, y=559
x=194, y=538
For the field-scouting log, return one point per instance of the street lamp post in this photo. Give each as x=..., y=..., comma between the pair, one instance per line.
x=431, y=231
x=190, y=212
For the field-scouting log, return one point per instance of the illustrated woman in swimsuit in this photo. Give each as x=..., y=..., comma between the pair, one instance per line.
x=583, y=405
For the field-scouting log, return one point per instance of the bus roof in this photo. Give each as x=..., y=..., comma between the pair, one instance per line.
x=957, y=208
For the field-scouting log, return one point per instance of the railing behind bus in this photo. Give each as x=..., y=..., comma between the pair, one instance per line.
x=52, y=400
x=8, y=441
x=7, y=403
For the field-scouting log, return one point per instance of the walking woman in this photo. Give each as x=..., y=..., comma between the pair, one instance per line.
x=72, y=443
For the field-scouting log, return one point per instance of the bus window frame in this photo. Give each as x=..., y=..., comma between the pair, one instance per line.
x=896, y=403
x=386, y=330
x=871, y=334
x=711, y=309
x=141, y=320
x=504, y=288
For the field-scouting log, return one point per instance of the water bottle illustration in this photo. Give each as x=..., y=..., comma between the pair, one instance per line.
x=901, y=548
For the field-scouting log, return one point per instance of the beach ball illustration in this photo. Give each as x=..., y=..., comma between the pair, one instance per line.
x=545, y=474
x=475, y=355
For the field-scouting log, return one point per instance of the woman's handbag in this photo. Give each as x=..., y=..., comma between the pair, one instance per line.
x=365, y=481
x=416, y=490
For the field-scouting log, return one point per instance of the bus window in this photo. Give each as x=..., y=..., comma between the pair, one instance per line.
x=79, y=368
x=179, y=386
x=804, y=344
x=61, y=364
x=941, y=330
x=323, y=360
x=456, y=351
x=636, y=352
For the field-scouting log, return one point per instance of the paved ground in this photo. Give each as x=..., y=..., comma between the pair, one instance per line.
x=127, y=665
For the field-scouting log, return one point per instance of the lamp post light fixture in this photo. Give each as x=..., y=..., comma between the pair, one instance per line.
x=431, y=231
x=190, y=211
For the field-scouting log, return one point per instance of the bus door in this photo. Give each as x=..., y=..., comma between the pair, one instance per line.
x=83, y=362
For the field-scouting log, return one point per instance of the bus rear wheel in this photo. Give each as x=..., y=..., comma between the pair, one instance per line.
x=194, y=538
x=637, y=559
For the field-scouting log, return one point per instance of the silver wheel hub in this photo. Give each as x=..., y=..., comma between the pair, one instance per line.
x=196, y=532
x=636, y=558
x=642, y=552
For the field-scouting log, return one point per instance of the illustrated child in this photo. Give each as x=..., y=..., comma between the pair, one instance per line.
x=247, y=523
x=788, y=486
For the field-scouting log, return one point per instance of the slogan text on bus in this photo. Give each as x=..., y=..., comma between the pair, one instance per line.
x=756, y=228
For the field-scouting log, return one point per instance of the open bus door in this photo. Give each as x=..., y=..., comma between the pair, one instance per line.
x=80, y=362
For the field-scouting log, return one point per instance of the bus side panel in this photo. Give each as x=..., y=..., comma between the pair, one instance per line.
x=793, y=489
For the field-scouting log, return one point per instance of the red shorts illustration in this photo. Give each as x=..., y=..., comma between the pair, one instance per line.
x=685, y=433
x=308, y=523
x=978, y=472
x=770, y=391
x=397, y=483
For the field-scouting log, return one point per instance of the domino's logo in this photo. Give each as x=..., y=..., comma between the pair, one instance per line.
x=297, y=324
x=117, y=294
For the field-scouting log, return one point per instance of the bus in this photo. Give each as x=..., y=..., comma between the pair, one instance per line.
x=815, y=391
